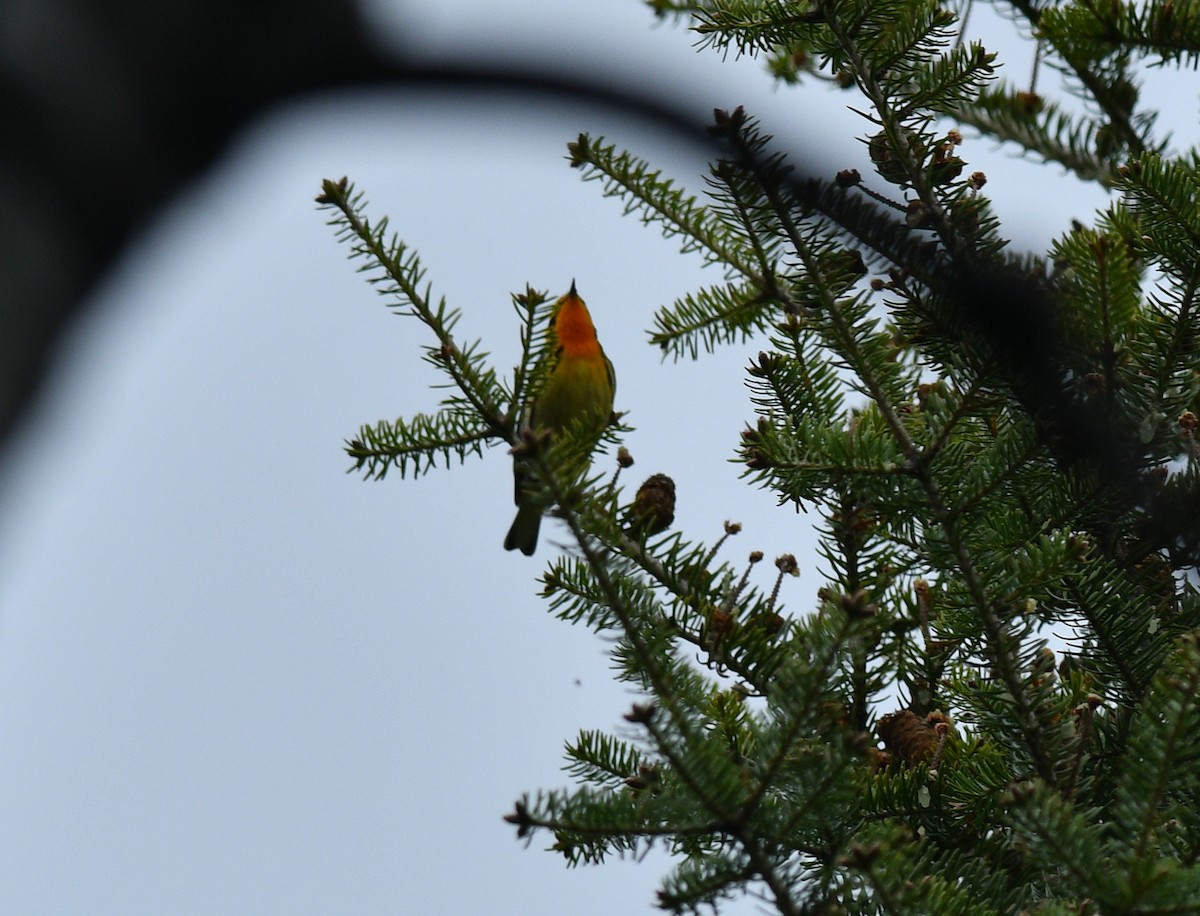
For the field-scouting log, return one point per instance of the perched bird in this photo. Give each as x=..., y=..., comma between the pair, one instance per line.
x=577, y=390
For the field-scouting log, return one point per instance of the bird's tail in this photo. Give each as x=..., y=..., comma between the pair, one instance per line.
x=523, y=535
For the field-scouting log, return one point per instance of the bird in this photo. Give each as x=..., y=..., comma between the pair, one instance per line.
x=577, y=391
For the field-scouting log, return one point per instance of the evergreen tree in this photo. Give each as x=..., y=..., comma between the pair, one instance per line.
x=995, y=444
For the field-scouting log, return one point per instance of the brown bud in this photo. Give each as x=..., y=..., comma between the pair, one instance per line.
x=647, y=777
x=910, y=738
x=725, y=122
x=847, y=178
x=916, y=215
x=862, y=857
x=888, y=162
x=757, y=460
x=924, y=596
x=720, y=623
x=948, y=169
x=857, y=606
x=654, y=505
x=521, y=818
x=332, y=190
x=762, y=366
x=771, y=622
x=578, y=151
x=641, y=713
x=1029, y=102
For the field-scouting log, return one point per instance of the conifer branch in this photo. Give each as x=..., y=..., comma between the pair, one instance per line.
x=994, y=444
x=1112, y=96
x=898, y=137
x=401, y=276
x=1039, y=126
x=1163, y=738
x=657, y=201
x=415, y=444
x=632, y=631
x=1000, y=649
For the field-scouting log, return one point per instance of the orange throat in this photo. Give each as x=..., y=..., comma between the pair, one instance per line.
x=574, y=330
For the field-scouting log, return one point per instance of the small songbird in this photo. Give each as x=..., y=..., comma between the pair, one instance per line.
x=578, y=388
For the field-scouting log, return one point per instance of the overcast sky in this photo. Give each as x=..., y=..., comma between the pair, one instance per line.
x=234, y=678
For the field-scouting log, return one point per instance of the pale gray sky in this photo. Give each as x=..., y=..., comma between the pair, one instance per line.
x=234, y=678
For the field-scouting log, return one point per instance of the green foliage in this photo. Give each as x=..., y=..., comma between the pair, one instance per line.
x=474, y=413
x=1039, y=126
x=993, y=705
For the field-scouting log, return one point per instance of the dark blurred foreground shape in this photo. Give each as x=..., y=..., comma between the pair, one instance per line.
x=108, y=107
